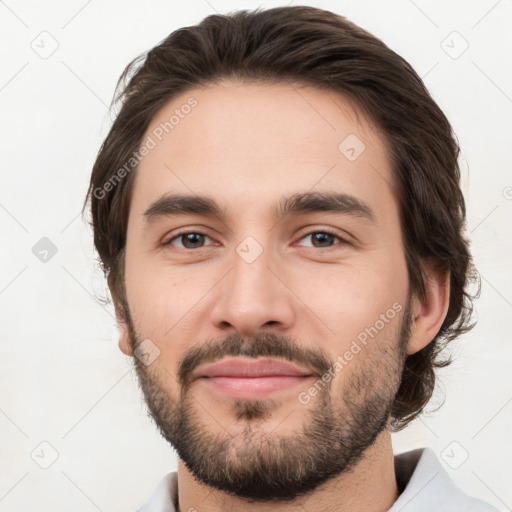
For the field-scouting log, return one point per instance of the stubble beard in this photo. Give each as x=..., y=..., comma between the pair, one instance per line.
x=258, y=465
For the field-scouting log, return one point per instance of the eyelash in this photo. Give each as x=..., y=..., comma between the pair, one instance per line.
x=326, y=231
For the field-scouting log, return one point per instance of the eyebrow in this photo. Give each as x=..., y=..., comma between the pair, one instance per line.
x=300, y=203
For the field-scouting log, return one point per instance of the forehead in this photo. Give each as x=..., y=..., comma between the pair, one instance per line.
x=252, y=144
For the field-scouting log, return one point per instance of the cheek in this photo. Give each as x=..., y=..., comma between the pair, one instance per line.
x=165, y=302
x=349, y=299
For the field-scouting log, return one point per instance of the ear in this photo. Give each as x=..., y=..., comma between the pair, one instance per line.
x=428, y=313
x=124, y=336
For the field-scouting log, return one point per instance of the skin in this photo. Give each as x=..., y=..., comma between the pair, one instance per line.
x=247, y=146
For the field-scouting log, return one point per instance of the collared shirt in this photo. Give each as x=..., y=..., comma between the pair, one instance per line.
x=425, y=486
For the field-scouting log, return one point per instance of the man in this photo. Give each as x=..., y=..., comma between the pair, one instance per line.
x=277, y=209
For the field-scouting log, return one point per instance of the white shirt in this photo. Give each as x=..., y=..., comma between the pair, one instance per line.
x=428, y=488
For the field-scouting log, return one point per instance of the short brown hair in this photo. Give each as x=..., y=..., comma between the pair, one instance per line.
x=313, y=47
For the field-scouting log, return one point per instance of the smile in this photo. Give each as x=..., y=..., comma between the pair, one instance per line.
x=245, y=378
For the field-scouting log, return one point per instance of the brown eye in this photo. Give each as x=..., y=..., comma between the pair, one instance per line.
x=188, y=240
x=321, y=239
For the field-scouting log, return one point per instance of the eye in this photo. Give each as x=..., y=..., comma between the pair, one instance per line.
x=324, y=238
x=188, y=240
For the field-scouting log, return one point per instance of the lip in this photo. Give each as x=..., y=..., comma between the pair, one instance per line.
x=247, y=368
x=251, y=379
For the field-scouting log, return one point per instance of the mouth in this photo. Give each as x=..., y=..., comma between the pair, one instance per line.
x=244, y=378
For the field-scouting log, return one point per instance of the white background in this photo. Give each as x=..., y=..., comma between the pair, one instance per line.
x=63, y=379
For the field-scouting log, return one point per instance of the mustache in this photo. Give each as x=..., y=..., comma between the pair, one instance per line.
x=259, y=345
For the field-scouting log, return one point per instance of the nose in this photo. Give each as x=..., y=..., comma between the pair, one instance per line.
x=253, y=297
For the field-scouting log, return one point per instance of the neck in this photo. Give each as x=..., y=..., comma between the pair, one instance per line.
x=370, y=486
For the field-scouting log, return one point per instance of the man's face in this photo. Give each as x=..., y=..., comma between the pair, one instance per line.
x=323, y=288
